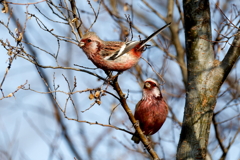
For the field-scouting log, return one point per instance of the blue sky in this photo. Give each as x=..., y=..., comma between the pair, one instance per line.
x=28, y=128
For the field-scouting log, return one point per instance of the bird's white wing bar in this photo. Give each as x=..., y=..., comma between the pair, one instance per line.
x=116, y=54
x=124, y=49
x=129, y=46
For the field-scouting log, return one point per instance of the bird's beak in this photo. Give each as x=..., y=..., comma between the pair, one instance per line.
x=81, y=44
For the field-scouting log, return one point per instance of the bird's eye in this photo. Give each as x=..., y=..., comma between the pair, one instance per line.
x=89, y=40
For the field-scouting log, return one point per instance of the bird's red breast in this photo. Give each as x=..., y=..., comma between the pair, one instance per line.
x=151, y=114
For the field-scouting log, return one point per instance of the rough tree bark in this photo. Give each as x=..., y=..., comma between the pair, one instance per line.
x=205, y=77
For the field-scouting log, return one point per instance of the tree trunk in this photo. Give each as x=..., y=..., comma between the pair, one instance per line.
x=205, y=77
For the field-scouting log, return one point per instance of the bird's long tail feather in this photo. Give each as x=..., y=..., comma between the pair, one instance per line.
x=154, y=34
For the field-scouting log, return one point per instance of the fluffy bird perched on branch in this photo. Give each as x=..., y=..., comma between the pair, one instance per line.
x=151, y=111
x=113, y=55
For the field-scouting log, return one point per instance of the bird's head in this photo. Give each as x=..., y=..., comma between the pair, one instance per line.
x=151, y=88
x=90, y=42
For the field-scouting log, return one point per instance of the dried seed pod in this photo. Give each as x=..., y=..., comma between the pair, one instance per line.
x=98, y=101
x=126, y=7
x=10, y=95
x=20, y=37
x=9, y=52
x=91, y=96
x=74, y=20
x=5, y=8
x=97, y=94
